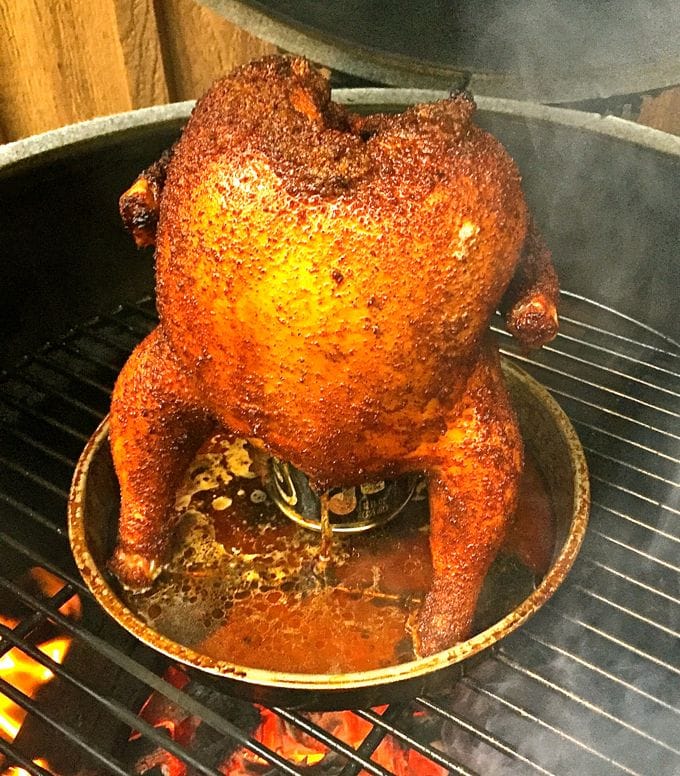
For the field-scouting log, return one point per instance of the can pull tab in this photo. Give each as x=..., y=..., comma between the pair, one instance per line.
x=285, y=488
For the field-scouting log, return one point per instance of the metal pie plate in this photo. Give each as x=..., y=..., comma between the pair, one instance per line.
x=93, y=517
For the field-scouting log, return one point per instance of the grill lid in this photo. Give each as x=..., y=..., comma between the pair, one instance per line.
x=556, y=52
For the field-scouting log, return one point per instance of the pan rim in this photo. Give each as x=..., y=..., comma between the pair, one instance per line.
x=107, y=597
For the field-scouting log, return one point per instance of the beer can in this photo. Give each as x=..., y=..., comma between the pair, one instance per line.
x=350, y=510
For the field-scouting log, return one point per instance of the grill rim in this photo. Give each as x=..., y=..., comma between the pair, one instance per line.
x=36, y=149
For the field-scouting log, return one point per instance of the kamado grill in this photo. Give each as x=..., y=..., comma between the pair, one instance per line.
x=588, y=685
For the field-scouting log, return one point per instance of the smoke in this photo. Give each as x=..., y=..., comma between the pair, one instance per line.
x=566, y=51
x=548, y=706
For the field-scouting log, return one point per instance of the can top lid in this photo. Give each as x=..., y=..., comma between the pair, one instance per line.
x=558, y=51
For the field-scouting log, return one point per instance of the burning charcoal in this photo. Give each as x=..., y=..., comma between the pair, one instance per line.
x=240, y=713
x=213, y=748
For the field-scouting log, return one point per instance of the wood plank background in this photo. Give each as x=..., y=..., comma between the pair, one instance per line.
x=62, y=61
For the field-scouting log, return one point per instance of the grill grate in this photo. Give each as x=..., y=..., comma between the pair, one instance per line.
x=589, y=685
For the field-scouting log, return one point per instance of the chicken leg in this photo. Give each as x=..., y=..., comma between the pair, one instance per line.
x=157, y=424
x=473, y=474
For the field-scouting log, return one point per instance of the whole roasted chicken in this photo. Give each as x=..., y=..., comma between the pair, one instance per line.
x=325, y=283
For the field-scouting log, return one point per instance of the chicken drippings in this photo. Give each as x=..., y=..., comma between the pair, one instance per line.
x=245, y=585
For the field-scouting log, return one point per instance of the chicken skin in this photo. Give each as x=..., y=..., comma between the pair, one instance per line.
x=325, y=283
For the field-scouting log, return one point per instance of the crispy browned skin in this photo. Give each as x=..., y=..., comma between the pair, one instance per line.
x=155, y=427
x=325, y=284
x=530, y=303
x=140, y=204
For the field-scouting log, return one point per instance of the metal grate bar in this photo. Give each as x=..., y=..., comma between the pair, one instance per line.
x=622, y=597
x=630, y=492
x=123, y=348
x=590, y=384
x=138, y=331
x=44, y=388
x=153, y=681
x=37, y=445
x=53, y=366
x=113, y=706
x=636, y=598
x=510, y=661
x=616, y=314
x=139, y=308
x=657, y=672
x=333, y=743
x=628, y=546
x=103, y=339
x=524, y=713
x=27, y=704
x=628, y=631
x=533, y=636
x=657, y=520
x=631, y=613
x=607, y=369
x=673, y=615
x=635, y=521
x=33, y=477
x=583, y=734
x=641, y=553
x=587, y=327
x=100, y=349
x=634, y=366
x=620, y=338
x=610, y=412
x=627, y=465
x=370, y=743
x=15, y=758
x=633, y=581
x=481, y=734
x=380, y=721
x=42, y=391
x=623, y=440
x=37, y=517
x=591, y=557
x=43, y=418
x=29, y=624
x=618, y=642
x=581, y=343
x=39, y=560
x=78, y=352
x=367, y=747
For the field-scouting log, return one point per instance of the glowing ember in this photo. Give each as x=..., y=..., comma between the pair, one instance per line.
x=301, y=749
x=50, y=585
x=26, y=674
x=281, y=737
x=13, y=771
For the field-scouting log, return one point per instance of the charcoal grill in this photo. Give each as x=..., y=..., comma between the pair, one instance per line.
x=590, y=684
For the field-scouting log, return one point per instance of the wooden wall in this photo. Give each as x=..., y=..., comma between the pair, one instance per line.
x=62, y=61
x=662, y=111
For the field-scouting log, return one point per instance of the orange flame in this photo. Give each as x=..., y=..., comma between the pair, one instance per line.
x=50, y=585
x=26, y=674
x=14, y=771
